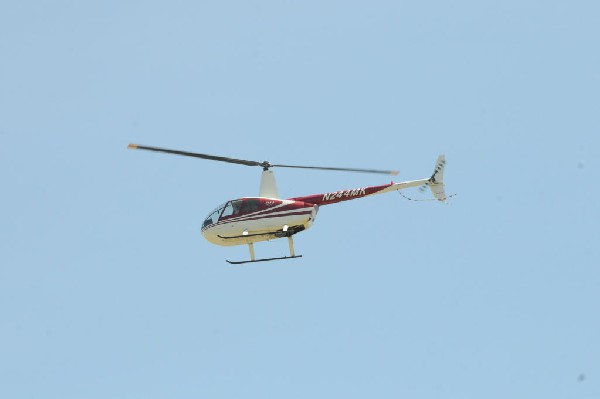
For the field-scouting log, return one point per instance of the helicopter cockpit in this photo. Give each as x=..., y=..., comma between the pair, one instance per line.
x=213, y=217
x=231, y=209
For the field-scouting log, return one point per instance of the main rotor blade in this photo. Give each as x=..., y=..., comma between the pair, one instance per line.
x=265, y=165
x=196, y=155
x=385, y=172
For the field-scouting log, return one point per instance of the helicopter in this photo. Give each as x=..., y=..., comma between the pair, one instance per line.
x=248, y=220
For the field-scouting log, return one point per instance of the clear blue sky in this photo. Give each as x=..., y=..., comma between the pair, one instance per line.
x=108, y=290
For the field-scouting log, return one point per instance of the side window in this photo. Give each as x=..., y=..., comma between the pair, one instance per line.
x=232, y=208
x=251, y=206
x=228, y=210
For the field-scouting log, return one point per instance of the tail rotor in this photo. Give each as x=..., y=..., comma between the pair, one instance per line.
x=436, y=181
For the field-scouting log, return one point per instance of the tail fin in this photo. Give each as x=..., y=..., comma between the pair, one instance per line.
x=436, y=181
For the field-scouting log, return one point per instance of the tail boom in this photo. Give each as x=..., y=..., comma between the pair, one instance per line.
x=435, y=184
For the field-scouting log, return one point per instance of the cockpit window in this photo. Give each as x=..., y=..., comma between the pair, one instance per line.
x=213, y=217
x=232, y=208
x=250, y=205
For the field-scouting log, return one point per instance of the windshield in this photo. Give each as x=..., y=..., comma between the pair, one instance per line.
x=213, y=217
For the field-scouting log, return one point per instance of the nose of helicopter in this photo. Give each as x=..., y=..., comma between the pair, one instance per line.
x=209, y=234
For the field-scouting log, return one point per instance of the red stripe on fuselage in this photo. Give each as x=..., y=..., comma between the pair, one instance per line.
x=339, y=196
x=282, y=215
x=279, y=210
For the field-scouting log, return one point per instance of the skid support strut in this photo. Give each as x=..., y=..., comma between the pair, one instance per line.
x=251, y=247
x=291, y=244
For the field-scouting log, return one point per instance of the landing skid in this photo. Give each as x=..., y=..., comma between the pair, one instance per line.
x=261, y=260
x=254, y=260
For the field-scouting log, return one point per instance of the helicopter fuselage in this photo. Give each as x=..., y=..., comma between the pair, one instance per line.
x=250, y=220
x=255, y=219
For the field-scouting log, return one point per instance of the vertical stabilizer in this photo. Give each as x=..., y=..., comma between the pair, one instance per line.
x=436, y=182
x=268, y=187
